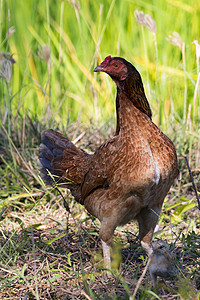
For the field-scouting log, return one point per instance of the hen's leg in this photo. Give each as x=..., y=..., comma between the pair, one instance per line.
x=147, y=219
x=106, y=255
x=106, y=233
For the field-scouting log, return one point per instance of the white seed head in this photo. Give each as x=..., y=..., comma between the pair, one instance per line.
x=145, y=20
x=6, y=70
x=197, y=49
x=10, y=32
x=44, y=52
x=150, y=23
x=139, y=15
x=176, y=40
x=6, y=62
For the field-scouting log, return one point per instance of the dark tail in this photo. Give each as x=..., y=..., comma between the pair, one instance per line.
x=62, y=162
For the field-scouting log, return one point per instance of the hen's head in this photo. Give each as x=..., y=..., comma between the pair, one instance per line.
x=127, y=79
x=118, y=69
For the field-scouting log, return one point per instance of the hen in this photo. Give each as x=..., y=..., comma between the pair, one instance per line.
x=129, y=175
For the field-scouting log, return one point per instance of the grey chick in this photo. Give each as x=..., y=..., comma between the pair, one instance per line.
x=161, y=263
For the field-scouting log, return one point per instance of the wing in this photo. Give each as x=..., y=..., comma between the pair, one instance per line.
x=101, y=167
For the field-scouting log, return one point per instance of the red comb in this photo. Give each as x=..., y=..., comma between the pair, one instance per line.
x=106, y=60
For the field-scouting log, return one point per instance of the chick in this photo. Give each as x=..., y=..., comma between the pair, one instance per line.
x=161, y=262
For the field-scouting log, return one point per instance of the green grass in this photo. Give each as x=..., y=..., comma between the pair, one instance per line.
x=79, y=35
x=40, y=258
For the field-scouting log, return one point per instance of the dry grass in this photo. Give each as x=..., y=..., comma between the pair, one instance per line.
x=49, y=257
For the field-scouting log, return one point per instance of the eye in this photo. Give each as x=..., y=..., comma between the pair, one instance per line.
x=115, y=65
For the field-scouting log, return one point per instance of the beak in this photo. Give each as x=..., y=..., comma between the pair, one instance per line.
x=103, y=66
x=99, y=69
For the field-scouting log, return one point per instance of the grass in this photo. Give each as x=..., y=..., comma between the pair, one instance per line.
x=45, y=252
x=64, y=80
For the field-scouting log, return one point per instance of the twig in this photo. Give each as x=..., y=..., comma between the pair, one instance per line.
x=141, y=278
x=66, y=206
x=34, y=264
x=86, y=295
x=78, y=138
x=194, y=186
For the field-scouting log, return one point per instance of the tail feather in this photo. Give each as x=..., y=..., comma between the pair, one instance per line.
x=55, y=140
x=61, y=161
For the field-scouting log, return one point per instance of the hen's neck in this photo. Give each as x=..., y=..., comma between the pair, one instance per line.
x=134, y=92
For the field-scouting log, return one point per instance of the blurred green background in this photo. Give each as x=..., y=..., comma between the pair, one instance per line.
x=78, y=36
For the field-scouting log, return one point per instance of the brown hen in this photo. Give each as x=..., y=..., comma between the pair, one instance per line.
x=129, y=175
